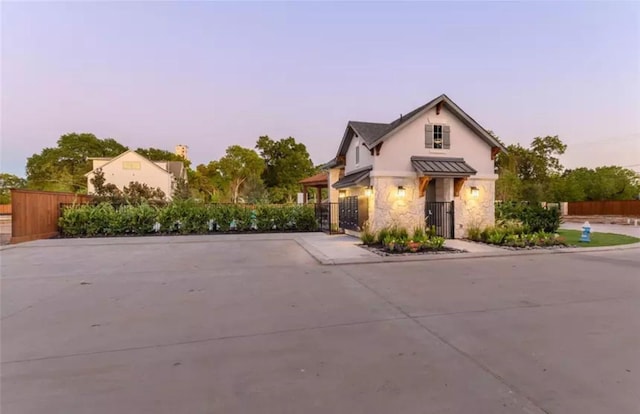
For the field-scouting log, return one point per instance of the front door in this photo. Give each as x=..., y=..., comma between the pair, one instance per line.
x=438, y=214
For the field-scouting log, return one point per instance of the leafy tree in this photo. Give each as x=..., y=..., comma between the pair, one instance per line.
x=155, y=154
x=236, y=169
x=602, y=183
x=7, y=182
x=62, y=168
x=527, y=173
x=286, y=163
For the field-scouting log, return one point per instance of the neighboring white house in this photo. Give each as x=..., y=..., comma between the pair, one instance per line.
x=131, y=166
x=433, y=166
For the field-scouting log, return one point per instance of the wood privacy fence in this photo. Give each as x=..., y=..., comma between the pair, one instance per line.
x=35, y=213
x=5, y=209
x=629, y=208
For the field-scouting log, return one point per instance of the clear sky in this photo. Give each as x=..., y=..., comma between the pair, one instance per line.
x=212, y=74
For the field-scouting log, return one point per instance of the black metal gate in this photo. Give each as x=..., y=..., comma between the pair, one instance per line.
x=439, y=215
x=327, y=217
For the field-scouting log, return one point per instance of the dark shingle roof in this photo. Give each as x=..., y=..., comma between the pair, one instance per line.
x=442, y=167
x=358, y=177
x=369, y=131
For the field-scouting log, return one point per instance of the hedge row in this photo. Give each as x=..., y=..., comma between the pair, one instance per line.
x=183, y=217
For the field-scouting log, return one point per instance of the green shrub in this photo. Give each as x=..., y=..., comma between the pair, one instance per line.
x=418, y=233
x=399, y=232
x=305, y=218
x=436, y=242
x=367, y=236
x=474, y=233
x=496, y=236
x=184, y=217
x=533, y=216
x=382, y=235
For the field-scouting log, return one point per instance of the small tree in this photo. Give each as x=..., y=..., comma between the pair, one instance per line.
x=104, y=191
x=137, y=193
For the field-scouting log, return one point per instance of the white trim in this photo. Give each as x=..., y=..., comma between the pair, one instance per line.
x=375, y=173
x=484, y=177
x=439, y=151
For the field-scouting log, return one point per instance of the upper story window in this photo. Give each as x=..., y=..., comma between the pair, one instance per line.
x=357, y=152
x=437, y=136
x=131, y=165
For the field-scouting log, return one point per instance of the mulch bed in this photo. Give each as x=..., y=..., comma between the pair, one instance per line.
x=381, y=252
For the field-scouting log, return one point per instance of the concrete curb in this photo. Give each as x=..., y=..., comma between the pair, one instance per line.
x=324, y=260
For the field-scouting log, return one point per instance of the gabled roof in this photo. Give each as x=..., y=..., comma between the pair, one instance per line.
x=374, y=133
x=122, y=155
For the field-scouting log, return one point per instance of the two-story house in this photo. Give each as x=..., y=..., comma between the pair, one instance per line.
x=131, y=167
x=433, y=166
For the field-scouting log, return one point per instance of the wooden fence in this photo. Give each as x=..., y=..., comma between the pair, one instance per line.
x=5, y=209
x=35, y=213
x=628, y=208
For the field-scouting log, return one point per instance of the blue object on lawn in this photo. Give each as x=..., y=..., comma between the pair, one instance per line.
x=586, y=232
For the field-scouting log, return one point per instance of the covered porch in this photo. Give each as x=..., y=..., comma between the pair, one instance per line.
x=318, y=182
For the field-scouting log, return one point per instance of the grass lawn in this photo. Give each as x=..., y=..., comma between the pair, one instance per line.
x=597, y=239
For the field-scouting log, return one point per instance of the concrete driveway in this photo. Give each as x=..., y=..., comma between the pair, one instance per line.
x=224, y=324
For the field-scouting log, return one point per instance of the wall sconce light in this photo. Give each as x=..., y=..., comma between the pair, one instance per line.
x=342, y=194
x=401, y=191
x=368, y=191
x=475, y=192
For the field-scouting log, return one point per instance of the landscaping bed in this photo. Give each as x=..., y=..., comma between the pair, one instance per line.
x=395, y=240
x=380, y=250
x=521, y=227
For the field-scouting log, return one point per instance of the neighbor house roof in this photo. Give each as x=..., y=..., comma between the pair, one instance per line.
x=316, y=180
x=358, y=177
x=374, y=133
x=442, y=167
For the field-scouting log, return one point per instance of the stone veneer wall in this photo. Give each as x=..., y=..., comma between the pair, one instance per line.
x=474, y=211
x=387, y=209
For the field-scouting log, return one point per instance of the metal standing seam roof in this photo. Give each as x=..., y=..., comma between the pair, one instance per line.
x=443, y=167
x=356, y=178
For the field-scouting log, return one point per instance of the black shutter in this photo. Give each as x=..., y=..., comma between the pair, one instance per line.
x=428, y=136
x=446, y=139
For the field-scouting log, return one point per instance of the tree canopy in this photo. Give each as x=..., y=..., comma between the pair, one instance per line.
x=239, y=168
x=7, y=182
x=62, y=168
x=536, y=174
x=286, y=163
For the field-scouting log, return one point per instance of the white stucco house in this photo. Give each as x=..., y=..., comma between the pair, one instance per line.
x=433, y=166
x=131, y=166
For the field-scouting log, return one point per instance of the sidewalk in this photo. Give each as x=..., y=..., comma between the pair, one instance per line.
x=345, y=249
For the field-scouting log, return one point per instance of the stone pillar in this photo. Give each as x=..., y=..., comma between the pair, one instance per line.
x=474, y=211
